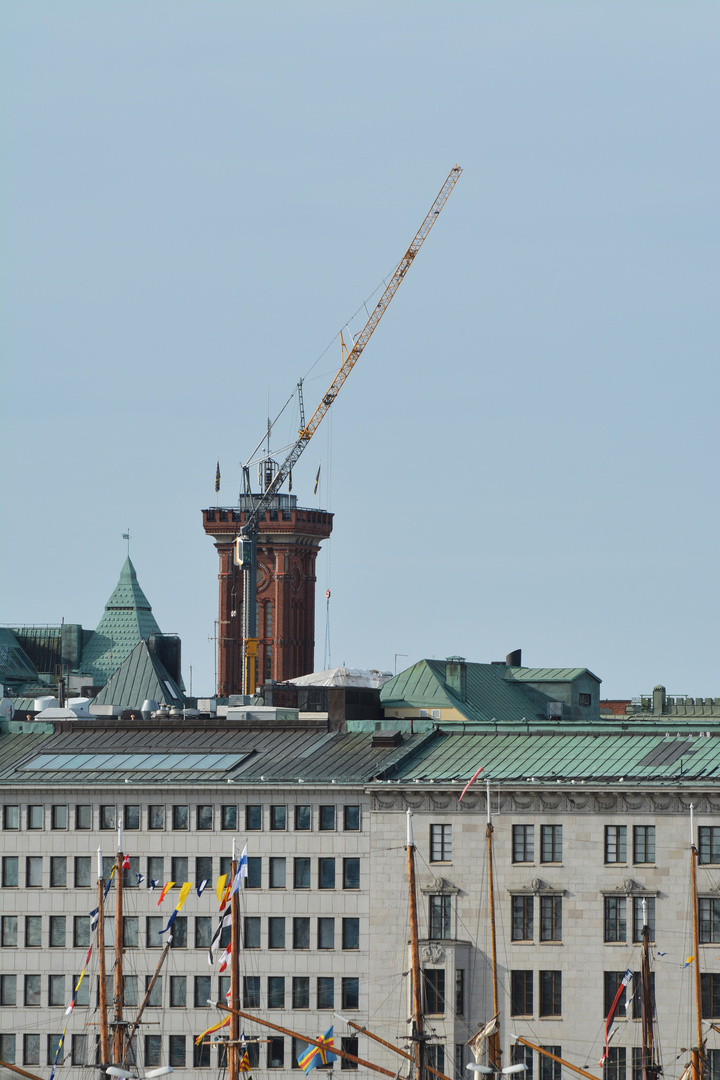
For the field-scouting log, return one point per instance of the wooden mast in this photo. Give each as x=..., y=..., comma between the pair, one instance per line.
x=118, y=1024
x=104, y=1039
x=649, y=1068
x=417, y=1033
x=232, y=1050
x=494, y=1051
x=697, y=1051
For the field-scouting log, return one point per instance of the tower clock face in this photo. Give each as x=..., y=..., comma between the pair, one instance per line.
x=295, y=579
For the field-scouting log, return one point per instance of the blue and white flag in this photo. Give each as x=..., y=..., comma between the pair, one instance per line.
x=153, y=882
x=202, y=886
x=94, y=918
x=242, y=871
x=140, y=877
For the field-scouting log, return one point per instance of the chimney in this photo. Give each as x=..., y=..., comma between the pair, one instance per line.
x=455, y=672
x=658, y=699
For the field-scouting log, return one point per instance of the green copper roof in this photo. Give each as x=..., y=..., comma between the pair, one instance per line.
x=15, y=664
x=141, y=677
x=127, y=620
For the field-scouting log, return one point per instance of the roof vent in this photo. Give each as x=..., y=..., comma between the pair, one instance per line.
x=387, y=739
x=514, y=658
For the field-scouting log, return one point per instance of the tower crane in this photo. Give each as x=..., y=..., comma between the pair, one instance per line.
x=246, y=541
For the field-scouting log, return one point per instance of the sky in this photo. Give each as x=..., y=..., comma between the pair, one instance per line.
x=196, y=197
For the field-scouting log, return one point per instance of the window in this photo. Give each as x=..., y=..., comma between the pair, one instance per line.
x=351, y=818
x=201, y=991
x=644, y=844
x=615, y=919
x=11, y=817
x=440, y=917
x=351, y=933
x=203, y=869
x=153, y=1050
x=10, y=871
x=205, y=818
x=56, y=990
x=278, y=818
x=326, y=933
x=33, y=872
x=303, y=818
x=349, y=1045
x=612, y=981
x=638, y=921
x=637, y=993
x=156, y=869
x=551, y=843
x=9, y=931
x=584, y=699
x=276, y=1053
x=460, y=991
x=434, y=990
x=327, y=818
x=253, y=818
x=35, y=817
x=57, y=931
x=108, y=862
x=203, y=931
x=201, y=1056
x=350, y=993
x=276, y=992
x=523, y=1055
x=709, y=844
x=59, y=817
x=301, y=992
x=713, y=1065
x=550, y=993
x=31, y=1049
x=7, y=1049
x=551, y=918
x=325, y=993
x=131, y=931
x=156, y=816
x=179, y=869
x=178, y=992
x=710, y=991
x=83, y=872
x=131, y=817
x=277, y=873
x=523, y=843
x=301, y=873
x=615, y=1064
x=83, y=816
x=351, y=873
x=276, y=932
x=179, y=933
x=81, y=931
x=301, y=932
x=155, y=999
x=435, y=1056
x=33, y=931
x=254, y=874
x=440, y=843
x=251, y=935
x=521, y=993
x=709, y=919
x=459, y=1062
x=107, y=817
x=153, y=925
x=326, y=873
x=78, y=1056
x=522, y=918
x=251, y=991
x=53, y=1044
x=130, y=990
x=615, y=843
x=82, y=993
x=181, y=817
x=58, y=872
x=228, y=817
x=8, y=990
x=177, y=1051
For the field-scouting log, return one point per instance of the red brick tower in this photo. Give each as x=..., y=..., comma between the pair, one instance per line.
x=288, y=543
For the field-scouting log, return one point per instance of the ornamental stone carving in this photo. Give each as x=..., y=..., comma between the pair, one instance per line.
x=432, y=954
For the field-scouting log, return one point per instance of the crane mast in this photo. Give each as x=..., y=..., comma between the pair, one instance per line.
x=246, y=542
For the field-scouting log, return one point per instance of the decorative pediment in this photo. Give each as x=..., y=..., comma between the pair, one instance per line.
x=537, y=887
x=440, y=886
x=629, y=888
x=432, y=953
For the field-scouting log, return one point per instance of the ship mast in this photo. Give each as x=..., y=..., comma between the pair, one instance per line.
x=494, y=1051
x=104, y=1034
x=697, y=1051
x=417, y=1029
x=118, y=1022
x=232, y=1050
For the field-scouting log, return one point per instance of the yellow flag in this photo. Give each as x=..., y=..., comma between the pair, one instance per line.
x=220, y=887
x=183, y=894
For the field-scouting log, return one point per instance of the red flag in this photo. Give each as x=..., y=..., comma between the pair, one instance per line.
x=126, y=863
x=165, y=891
x=472, y=778
x=225, y=958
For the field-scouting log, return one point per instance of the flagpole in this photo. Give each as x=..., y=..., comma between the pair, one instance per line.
x=234, y=971
x=554, y=1057
x=417, y=1033
x=148, y=992
x=495, y=1052
x=389, y=1045
x=311, y=1042
x=697, y=1055
x=104, y=1034
x=118, y=1040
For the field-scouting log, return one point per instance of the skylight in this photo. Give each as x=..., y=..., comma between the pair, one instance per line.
x=145, y=762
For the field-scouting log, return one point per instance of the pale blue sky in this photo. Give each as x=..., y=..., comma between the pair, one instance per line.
x=195, y=198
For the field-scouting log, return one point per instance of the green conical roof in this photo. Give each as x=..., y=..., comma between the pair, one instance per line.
x=127, y=620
